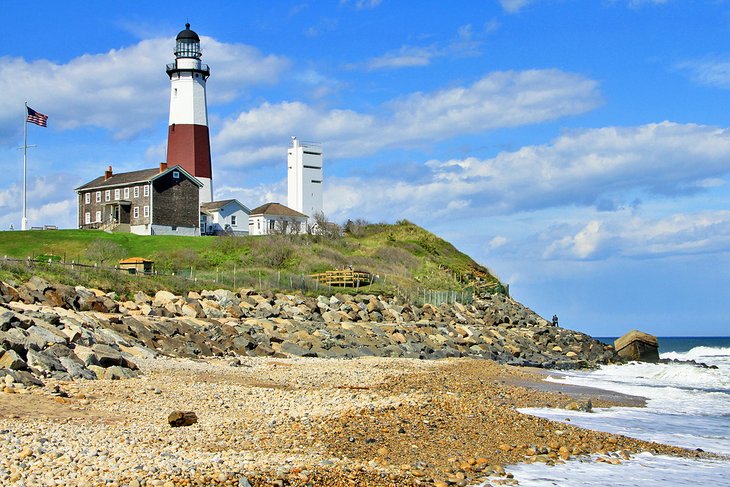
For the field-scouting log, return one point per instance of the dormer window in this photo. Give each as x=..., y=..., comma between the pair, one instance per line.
x=175, y=174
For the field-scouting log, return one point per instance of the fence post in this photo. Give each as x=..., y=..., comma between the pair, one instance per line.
x=234, y=275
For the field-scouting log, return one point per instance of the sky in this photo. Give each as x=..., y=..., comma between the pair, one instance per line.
x=577, y=148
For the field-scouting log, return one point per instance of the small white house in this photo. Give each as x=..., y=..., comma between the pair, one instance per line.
x=275, y=218
x=224, y=217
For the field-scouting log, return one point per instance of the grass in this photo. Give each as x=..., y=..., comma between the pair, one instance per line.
x=404, y=255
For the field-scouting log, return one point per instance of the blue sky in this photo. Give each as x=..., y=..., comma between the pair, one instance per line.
x=578, y=148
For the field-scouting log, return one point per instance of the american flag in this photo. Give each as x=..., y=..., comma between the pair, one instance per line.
x=37, y=117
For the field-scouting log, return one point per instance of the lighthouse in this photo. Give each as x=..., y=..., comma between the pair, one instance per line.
x=188, y=140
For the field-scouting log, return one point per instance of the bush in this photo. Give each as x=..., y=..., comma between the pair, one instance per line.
x=104, y=251
x=172, y=260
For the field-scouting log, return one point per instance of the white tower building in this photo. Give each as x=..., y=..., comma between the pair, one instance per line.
x=188, y=140
x=305, y=178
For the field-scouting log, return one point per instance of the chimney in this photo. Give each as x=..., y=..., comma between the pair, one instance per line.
x=108, y=173
x=163, y=166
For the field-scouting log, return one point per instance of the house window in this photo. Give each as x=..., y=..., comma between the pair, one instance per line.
x=136, y=191
x=146, y=211
x=117, y=194
x=87, y=198
x=233, y=220
x=87, y=216
x=108, y=195
x=146, y=190
x=98, y=196
x=272, y=225
x=175, y=174
x=136, y=211
x=98, y=216
x=126, y=193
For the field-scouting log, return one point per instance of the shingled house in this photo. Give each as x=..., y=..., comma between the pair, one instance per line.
x=225, y=217
x=158, y=201
x=273, y=218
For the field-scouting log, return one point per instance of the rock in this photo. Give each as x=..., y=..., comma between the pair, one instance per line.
x=162, y=298
x=22, y=377
x=37, y=284
x=182, y=418
x=41, y=337
x=43, y=362
x=11, y=360
x=116, y=372
x=637, y=345
x=105, y=355
x=8, y=319
x=76, y=369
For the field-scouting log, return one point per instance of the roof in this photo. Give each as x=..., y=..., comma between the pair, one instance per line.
x=127, y=178
x=135, y=260
x=188, y=34
x=276, y=209
x=123, y=178
x=217, y=205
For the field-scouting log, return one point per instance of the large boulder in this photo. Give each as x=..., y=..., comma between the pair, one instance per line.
x=637, y=345
x=11, y=360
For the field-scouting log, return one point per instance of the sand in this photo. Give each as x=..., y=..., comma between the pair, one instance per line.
x=298, y=421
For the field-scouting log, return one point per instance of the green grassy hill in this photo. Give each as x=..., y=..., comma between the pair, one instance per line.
x=406, y=258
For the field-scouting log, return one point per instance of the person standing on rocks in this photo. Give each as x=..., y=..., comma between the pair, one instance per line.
x=555, y=320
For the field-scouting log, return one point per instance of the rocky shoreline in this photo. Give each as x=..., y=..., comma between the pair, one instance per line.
x=286, y=390
x=75, y=332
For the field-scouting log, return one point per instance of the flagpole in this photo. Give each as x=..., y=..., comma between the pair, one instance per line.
x=24, y=221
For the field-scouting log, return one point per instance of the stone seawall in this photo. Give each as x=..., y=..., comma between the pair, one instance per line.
x=75, y=332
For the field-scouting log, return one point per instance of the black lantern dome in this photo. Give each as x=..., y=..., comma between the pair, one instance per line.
x=188, y=43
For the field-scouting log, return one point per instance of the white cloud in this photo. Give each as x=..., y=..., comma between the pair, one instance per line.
x=405, y=57
x=641, y=3
x=582, y=169
x=123, y=90
x=50, y=202
x=500, y=99
x=464, y=44
x=497, y=242
x=513, y=6
x=634, y=236
x=362, y=4
x=711, y=72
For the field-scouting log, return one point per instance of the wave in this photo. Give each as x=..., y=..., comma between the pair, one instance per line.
x=684, y=376
x=701, y=354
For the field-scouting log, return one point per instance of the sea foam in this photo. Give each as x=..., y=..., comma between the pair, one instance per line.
x=687, y=406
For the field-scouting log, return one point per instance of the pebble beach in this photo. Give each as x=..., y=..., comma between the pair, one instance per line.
x=298, y=421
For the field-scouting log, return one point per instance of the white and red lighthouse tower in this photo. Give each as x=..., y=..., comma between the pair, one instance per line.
x=188, y=140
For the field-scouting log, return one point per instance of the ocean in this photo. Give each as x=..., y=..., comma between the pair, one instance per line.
x=687, y=406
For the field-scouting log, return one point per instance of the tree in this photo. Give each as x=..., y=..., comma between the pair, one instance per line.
x=104, y=250
x=325, y=229
x=286, y=226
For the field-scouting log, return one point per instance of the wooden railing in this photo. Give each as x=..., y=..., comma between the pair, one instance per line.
x=344, y=278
